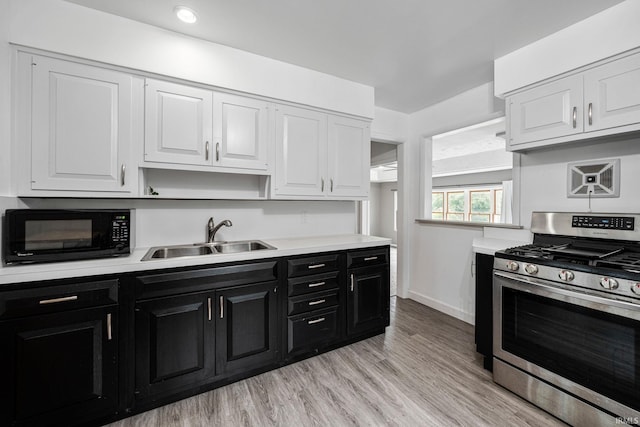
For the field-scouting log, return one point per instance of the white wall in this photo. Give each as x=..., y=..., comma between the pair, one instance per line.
x=382, y=210
x=440, y=256
x=543, y=175
x=612, y=31
x=5, y=100
x=67, y=28
x=375, y=192
x=389, y=125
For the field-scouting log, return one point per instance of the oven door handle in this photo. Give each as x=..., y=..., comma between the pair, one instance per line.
x=539, y=287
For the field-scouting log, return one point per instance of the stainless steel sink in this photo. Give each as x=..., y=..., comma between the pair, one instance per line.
x=199, y=249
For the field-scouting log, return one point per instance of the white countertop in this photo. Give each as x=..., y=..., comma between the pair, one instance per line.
x=284, y=247
x=489, y=246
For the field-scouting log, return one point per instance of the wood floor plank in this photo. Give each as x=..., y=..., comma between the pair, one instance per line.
x=423, y=371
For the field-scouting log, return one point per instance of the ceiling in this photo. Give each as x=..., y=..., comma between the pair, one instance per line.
x=471, y=140
x=415, y=53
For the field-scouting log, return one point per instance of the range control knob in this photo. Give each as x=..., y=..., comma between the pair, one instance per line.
x=609, y=283
x=513, y=266
x=566, y=275
x=531, y=269
x=635, y=288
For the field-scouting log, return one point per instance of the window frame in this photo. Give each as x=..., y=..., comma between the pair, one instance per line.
x=466, y=214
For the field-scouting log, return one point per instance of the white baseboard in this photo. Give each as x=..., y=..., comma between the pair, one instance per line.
x=443, y=307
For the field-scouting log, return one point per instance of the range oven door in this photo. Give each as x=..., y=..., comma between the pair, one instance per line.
x=586, y=345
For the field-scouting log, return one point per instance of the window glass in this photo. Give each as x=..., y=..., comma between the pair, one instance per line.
x=476, y=204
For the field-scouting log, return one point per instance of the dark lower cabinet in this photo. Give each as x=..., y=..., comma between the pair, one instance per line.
x=368, y=290
x=58, y=368
x=484, y=308
x=246, y=327
x=175, y=339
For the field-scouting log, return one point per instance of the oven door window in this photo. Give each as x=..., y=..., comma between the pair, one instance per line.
x=595, y=349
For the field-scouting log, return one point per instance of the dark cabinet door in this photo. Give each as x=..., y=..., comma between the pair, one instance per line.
x=367, y=299
x=174, y=343
x=484, y=308
x=59, y=369
x=246, y=327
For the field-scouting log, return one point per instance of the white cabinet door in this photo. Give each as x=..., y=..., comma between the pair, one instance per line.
x=240, y=132
x=178, y=123
x=612, y=94
x=301, y=152
x=349, y=157
x=81, y=127
x=549, y=111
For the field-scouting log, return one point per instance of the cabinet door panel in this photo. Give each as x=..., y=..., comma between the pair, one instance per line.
x=349, y=157
x=58, y=366
x=613, y=93
x=178, y=123
x=246, y=327
x=546, y=111
x=240, y=129
x=174, y=343
x=368, y=299
x=301, y=152
x=81, y=127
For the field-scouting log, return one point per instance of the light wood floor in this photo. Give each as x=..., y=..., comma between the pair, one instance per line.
x=422, y=372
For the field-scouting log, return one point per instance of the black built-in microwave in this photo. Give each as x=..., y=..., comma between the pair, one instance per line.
x=52, y=235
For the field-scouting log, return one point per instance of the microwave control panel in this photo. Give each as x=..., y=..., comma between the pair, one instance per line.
x=608, y=222
x=120, y=229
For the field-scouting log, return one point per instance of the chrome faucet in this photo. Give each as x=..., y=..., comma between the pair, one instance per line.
x=212, y=230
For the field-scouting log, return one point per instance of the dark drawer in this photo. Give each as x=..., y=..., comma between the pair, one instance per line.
x=313, y=265
x=309, y=302
x=368, y=257
x=312, y=329
x=315, y=283
x=51, y=299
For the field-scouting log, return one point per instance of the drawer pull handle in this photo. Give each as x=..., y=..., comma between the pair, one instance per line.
x=57, y=300
x=313, y=285
x=320, y=301
x=109, y=336
x=209, y=308
x=352, y=279
x=371, y=258
x=316, y=266
x=311, y=322
x=221, y=307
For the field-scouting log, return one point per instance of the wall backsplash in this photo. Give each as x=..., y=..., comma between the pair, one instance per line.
x=544, y=177
x=162, y=222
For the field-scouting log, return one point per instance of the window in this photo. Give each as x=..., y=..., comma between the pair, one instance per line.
x=476, y=204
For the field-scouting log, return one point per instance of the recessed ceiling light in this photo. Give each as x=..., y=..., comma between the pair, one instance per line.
x=185, y=14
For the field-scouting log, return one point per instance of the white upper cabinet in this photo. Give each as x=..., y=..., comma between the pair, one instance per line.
x=349, y=157
x=178, y=123
x=599, y=101
x=548, y=111
x=81, y=128
x=320, y=156
x=240, y=132
x=612, y=94
x=301, y=152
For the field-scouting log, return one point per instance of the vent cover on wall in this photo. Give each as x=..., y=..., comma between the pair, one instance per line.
x=598, y=178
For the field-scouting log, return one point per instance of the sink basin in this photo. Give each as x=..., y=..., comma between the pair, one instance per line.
x=198, y=249
x=233, y=247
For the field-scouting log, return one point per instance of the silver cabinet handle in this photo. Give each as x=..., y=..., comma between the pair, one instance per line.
x=57, y=300
x=320, y=301
x=315, y=266
x=371, y=258
x=206, y=150
x=313, y=285
x=322, y=185
x=311, y=322
x=109, y=336
x=331, y=181
x=209, y=308
x=217, y=151
x=221, y=307
x=590, y=113
x=575, y=117
x=352, y=280
x=123, y=171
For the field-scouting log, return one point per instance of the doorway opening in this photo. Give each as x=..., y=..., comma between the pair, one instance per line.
x=379, y=214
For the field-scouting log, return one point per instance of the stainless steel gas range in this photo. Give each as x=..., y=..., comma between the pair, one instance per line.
x=566, y=328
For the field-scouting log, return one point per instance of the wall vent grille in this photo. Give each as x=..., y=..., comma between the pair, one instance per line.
x=597, y=178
